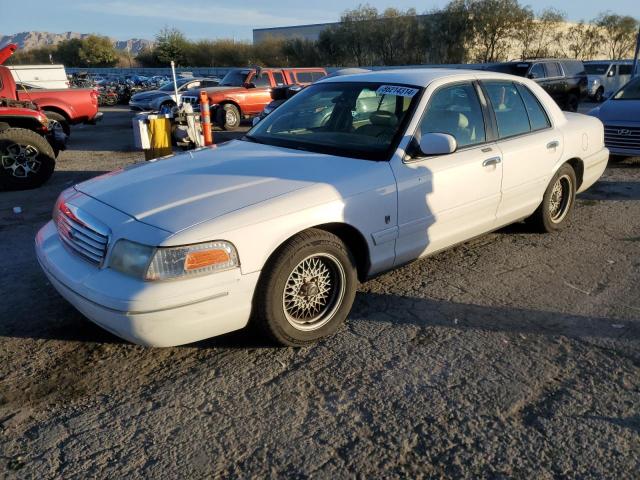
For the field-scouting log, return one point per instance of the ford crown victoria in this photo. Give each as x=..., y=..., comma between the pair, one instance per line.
x=279, y=226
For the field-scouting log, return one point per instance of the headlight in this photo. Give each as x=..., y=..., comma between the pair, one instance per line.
x=166, y=263
x=131, y=258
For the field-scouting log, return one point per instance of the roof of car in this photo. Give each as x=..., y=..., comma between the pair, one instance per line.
x=413, y=76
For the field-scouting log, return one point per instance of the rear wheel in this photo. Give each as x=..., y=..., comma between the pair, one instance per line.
x=557, y=202
x=307, y=289
x=573, y=102
x=58, y=122
x=26, y=159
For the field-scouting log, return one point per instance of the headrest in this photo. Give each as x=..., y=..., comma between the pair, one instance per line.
x=383, y=118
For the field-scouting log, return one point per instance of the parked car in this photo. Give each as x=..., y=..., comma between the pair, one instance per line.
x=564, y=80
x=606, y=77
x=165, y=96
x=28, y=148
x=280, y=225
x=64, y=107
x=244, y=92
x=621, y=118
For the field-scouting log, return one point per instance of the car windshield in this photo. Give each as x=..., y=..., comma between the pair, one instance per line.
x=360, y=120
x=631, y=91
x=596, y=68
x=235, y=78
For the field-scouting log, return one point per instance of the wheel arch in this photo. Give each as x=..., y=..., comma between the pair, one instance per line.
x=228, y=101
x=57, y=110
x=578, y=166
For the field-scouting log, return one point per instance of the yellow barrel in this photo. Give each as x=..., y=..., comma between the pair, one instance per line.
x=159, y=138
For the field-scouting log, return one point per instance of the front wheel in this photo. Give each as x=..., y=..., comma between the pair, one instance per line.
x=573, y=102
x=307, y=289
x=599, y=96
x=557, y=202
x=228, y=117
x=26, y=159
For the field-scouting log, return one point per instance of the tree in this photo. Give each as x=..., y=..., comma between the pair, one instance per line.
x=540, y=36
x=171, y=45
x=97, y=51
x=582, y=41
x=355, y=33
x=495, y=24
x=619, y=34
x=68, y=52
x=447, y=33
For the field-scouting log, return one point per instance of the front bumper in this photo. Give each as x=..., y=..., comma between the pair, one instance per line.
x=97, y=118
x=139, y=106
x=158, y=314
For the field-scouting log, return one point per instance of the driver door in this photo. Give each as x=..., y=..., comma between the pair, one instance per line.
x=446, y=199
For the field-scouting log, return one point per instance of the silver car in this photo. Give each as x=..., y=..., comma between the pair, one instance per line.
x=606, y=77
x=621, y=117
x=156, y=99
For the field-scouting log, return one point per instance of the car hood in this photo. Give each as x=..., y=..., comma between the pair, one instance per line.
x=620, y=111
x=184, y=190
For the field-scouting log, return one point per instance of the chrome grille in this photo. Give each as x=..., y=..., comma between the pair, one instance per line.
x=622, y=137
x=81, y=238
x=191, y=100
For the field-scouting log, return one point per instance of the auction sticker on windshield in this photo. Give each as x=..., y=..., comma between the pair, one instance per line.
x=396, y=90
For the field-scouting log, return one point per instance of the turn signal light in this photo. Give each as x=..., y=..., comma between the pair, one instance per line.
x=205, y=258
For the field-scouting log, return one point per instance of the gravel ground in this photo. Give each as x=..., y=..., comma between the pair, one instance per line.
x=515, y=355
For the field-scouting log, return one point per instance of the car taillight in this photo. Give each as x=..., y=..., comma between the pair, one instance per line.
x=94, y=97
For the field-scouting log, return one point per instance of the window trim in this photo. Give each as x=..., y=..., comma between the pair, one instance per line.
x=518, y=135
x=473, y=83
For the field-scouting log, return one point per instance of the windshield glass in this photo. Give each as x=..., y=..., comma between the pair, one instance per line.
x=360, y=120
x=235, y=78
x=596, y=68
x=631, y=91
x=168, y=87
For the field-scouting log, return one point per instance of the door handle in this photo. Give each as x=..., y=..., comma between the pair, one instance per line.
x=491, y=161
x=554, y=144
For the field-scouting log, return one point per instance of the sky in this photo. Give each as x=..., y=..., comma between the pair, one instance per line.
x=209, y=19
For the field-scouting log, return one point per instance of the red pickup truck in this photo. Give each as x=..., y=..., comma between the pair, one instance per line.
x=63, y=107
x=244, y=92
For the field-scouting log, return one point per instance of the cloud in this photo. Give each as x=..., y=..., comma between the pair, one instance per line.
x=208, y=14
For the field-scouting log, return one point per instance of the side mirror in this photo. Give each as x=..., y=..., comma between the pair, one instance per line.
x=531, y=76
x=611, y=73
x=249, y=85
x=255, y=121
x=437, y=144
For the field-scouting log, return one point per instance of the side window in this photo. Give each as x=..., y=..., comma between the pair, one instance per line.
x=455, y=110
x=304, y=77
x=624, y=69
x=537, y=116
x=511, y=114
x=537, y=71
x=553, y=69
x=262, y=80
x=208, y=83
x=315, y=76
x=278, y=78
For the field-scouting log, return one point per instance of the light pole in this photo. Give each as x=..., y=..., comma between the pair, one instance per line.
x=634, y=70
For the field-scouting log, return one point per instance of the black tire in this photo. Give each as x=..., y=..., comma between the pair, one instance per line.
x=228, y=117
x=284, y=313
x=573, y=102
x=553, y=212
x=599, y=96
x=111, y=100
x=57, y=120
x=26, y=159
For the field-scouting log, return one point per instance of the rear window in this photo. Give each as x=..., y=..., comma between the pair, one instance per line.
x=520, y=69
x=553, y=69
x=304, y=77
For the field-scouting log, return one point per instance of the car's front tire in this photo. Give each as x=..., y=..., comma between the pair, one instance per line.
x=306, y=289
x=557, y=202
x=26, y=159
x=228, y=117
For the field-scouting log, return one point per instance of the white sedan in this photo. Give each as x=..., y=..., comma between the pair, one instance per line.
x=351, y=177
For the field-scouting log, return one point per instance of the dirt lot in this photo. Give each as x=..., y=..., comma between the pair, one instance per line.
x=516, y=355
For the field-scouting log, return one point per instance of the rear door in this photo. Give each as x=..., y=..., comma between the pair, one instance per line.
x=529, y=146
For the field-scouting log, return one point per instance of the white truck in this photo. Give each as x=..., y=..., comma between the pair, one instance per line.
x=605, y=77
x=40, y=76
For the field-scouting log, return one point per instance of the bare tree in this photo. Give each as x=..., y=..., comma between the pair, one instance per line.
x=619, y=34
x=540, y=36
x=582, y=41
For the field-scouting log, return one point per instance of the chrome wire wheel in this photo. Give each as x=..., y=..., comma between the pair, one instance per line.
x=20, y=160
x=561, y=198
x=314, y=291
x=230, y=117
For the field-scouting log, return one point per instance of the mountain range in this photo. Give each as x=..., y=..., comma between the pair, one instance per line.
x=27, y=40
